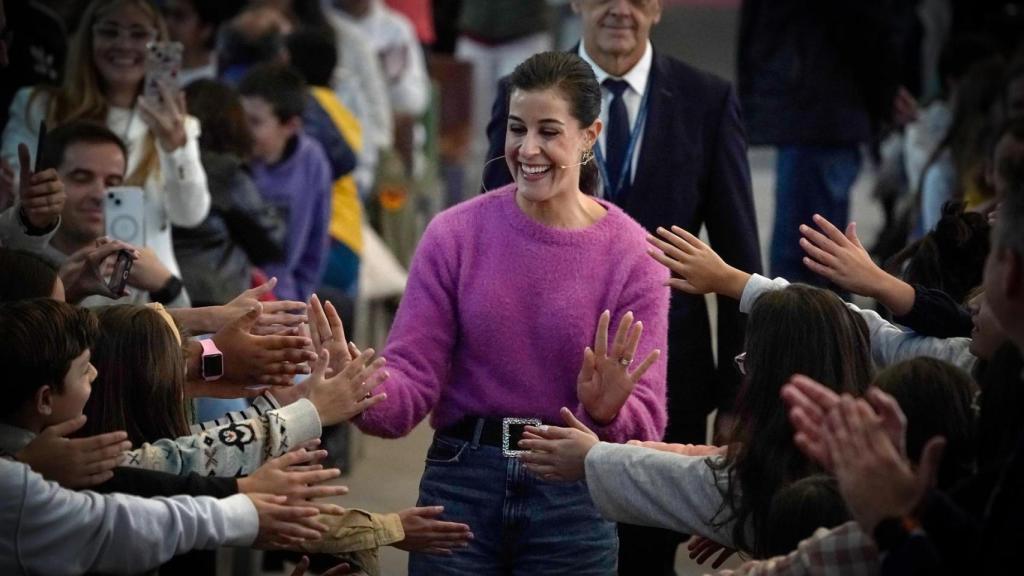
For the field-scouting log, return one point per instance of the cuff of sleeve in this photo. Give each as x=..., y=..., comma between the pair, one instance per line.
x=303, y=421
x=243, y=521
x=266, y=402
x=756, y=286
x=31, y=230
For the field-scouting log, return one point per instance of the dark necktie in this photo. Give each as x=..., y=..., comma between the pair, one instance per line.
x=617, y=138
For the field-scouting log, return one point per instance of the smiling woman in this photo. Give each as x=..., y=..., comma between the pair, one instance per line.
x=552, y=127
x=502, y=324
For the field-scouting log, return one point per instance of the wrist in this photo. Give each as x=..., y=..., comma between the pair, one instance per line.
x=733, y=282
x=168, y=291
x=600, y=415
x=895, y=294
x=33, y=228
x=892, y=531
x=193, y=359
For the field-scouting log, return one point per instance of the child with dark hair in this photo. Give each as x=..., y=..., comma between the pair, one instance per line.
x=24, y=275
x=195, y=24
x=291, y=171
x=801, y=508
x=950, y=257
x=46, y=362
x=242, y=230
x=936, y=398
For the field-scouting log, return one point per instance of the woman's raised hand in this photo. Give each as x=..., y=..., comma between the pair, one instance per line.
x=166, y=117
x=698, y=268
x=605, y=382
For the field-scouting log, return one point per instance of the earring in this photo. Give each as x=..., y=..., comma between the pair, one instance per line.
x=588, y=155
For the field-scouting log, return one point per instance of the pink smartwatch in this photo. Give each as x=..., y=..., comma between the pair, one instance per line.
x=212, y=365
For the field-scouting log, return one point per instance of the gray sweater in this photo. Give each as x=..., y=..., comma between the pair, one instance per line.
x=889, y=343
x=45, y=529
x=648, y=487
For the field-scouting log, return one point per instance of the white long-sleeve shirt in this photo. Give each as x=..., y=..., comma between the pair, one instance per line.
x=889, y=343
x=175, y=194
x=46, y=529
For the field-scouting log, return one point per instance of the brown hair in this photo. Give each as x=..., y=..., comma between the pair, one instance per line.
x=219, y=110
x=41, y=337
x=141, y=383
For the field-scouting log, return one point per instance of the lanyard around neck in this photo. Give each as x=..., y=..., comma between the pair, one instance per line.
x=627, y=161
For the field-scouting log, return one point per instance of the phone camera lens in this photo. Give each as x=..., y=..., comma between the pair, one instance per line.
x=110, y=194
x=117, y=202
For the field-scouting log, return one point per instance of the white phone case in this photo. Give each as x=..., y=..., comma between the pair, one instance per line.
x=124, y=213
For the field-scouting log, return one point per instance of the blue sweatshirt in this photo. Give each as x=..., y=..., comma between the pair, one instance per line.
x=300, y=185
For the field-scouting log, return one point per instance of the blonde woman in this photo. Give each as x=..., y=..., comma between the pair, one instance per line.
x=103, y=82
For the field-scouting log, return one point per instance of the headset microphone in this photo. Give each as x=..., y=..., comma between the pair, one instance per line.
x=587, y=157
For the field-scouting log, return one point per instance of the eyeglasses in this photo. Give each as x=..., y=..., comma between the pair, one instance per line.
x=741, y=362
x=134, y=34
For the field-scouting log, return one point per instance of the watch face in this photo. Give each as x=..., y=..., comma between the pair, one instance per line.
x=213, y=365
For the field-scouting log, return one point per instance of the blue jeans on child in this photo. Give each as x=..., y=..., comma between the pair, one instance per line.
x=522, y=525
x=809, y=180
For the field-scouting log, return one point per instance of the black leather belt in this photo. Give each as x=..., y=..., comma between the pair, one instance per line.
x=503, y=433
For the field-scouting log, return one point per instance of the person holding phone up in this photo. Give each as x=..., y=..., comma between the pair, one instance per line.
x=104, y=83
x=32, y=220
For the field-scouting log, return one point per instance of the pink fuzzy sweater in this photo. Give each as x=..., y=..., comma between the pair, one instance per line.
x=499, y=309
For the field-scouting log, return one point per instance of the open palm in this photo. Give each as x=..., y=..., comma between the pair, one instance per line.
x=605, y=382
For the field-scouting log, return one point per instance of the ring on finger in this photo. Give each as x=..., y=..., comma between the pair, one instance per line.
x=625, y=361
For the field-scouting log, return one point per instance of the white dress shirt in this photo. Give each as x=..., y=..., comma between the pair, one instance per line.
x=637, y=80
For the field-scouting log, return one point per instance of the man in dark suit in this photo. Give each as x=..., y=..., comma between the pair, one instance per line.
x=686, y=165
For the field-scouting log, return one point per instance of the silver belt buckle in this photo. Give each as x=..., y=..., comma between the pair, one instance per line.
x=506, y=436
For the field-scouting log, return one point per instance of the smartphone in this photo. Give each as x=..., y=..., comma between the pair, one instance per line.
x=123, y=213
x=119, y=277
x=163, y=63
x=39, y=146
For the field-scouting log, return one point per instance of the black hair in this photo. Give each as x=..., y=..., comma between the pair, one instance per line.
x=219, y=110
x=575, y=79
x=951, y=257
x=1001, y=404
x=310, y=14
x=25, y=275
x=280, y=85
x=41, y=337
x=314, y=53
x=215, y=13
x=801, y=508
x=59, y=139
x=238, y=49
x=797, y=330
x=936, y=397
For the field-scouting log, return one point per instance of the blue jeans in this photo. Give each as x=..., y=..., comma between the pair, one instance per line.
x=809, y=180
x=521, y=524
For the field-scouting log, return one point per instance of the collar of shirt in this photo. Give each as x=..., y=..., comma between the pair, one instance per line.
x=637, y=75
x=13, y=439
